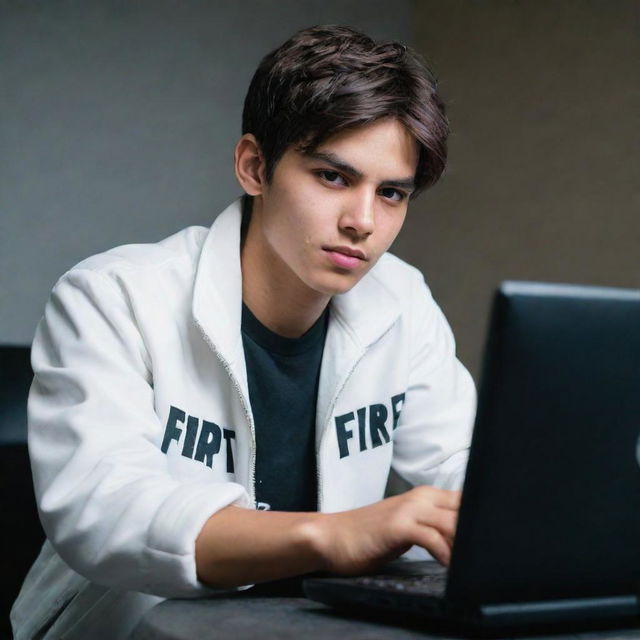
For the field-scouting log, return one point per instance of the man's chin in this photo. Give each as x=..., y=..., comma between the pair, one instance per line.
x=336, y=286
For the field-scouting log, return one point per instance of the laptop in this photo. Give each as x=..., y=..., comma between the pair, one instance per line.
x=549, y=523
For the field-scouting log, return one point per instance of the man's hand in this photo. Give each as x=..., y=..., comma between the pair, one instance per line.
x=358, y=540
x=241, y=546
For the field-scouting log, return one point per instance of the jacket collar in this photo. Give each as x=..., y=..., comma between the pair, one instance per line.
x=217, y=293
x=365, y=312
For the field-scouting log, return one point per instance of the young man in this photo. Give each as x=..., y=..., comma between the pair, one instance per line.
x=223, y=408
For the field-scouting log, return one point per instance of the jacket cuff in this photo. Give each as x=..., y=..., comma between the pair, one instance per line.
x=170, y=563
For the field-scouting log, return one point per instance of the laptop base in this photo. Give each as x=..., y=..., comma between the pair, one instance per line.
x=389, y=606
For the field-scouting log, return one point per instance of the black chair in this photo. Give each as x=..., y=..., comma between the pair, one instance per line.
x=22, y=534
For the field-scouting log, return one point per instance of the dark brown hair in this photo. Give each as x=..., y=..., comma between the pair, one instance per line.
x=326, y=79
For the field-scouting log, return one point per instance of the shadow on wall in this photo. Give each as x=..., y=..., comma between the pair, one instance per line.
x=542, y=184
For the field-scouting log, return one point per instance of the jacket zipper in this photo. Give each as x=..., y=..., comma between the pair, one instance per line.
x=247, y=414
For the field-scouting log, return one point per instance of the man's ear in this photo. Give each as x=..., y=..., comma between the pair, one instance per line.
x=249, y=165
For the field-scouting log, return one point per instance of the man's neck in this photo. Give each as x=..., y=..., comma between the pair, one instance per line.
x=294, y=324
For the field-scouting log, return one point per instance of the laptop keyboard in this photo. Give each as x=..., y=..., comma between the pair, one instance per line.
x=429, y=585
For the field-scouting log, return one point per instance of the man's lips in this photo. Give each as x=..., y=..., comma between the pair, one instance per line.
x=345, y=257
x=348, y=251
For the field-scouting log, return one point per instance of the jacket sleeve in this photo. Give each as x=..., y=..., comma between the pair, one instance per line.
x=107, y=501
x=433, y=436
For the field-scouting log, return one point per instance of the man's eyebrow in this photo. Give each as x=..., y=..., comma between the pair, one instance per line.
x=409, y=184
x=337, y=163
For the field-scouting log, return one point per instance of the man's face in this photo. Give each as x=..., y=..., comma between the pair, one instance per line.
x=327, y=217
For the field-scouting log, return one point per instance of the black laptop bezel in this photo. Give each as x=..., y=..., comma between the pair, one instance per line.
x=576, y=562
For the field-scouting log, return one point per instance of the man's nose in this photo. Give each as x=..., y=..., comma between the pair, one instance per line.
x=358, y=216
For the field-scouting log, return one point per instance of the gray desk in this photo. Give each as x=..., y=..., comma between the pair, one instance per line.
x=237, y=618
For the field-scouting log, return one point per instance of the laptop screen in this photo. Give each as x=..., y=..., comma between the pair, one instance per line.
x=551, y=503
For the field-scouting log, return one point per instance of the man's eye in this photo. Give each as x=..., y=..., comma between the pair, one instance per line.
x=392, y=194
x=331, y=176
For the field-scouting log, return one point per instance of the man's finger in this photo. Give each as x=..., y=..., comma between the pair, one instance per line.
x=448, y=499
x=434, y=542
x=444, y=521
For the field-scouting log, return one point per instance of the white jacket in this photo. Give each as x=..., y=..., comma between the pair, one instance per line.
x=140, y=426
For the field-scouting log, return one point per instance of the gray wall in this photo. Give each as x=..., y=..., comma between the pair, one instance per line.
x=118, y=121
x=543, y=182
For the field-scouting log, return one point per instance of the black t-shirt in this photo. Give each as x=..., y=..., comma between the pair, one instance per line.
x=283, y=375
